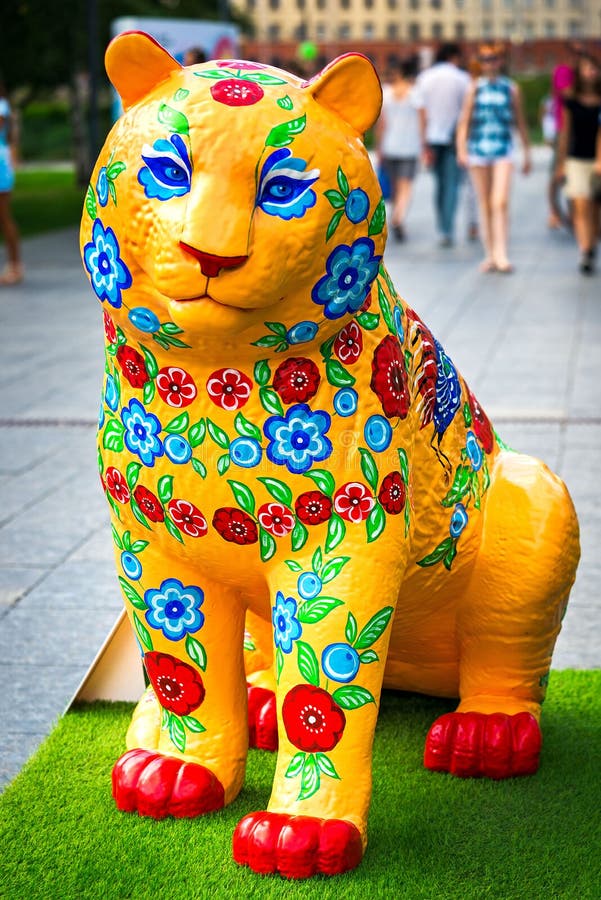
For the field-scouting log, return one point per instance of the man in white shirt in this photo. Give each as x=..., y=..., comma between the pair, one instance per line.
x=440, y=92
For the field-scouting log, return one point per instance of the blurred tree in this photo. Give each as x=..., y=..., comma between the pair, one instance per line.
x=45, y=45
x=42, y=43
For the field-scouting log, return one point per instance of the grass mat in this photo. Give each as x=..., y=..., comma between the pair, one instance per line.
x=431, y=836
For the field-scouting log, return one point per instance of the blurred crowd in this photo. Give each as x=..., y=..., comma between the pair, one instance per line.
x=460, y=119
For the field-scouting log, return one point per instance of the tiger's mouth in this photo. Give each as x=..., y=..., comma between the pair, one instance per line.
x=206, y=313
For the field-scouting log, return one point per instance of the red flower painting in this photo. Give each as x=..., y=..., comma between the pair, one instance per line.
x=149, y=503
x=313, y=720
x=313, y=508
x=389, y=378
x=393, y=493
x=132, y=365
x=235, y=526
x=296, y=380
x=178, y=686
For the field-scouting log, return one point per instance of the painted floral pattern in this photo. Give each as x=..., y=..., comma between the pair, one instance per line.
x=175, y=609
x=298, y=439
x=178, y=686
x=108, y=273
x=312, y=719
x=350, y=271
x=229, y=388
x=180, y=440
x=141, y=432
x=175, y=386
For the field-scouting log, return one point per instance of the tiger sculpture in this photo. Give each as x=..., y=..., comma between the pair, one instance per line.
x=307, y=501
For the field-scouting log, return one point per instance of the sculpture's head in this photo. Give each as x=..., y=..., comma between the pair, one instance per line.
x=232, y=192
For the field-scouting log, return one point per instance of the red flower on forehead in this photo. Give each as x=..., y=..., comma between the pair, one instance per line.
x=241, y=65
x=354, y=501
x=481, y=424
x=237, y=92
x=276, y=519
x=132, y=365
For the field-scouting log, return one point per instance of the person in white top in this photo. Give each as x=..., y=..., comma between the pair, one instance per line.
x=398, y=143
x=440, y=92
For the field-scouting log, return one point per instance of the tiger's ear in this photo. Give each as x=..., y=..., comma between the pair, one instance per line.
x=350, y=87
x=135, y=63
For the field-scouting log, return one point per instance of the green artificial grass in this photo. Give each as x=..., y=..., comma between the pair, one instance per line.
x=45, y=200
x=431, y=835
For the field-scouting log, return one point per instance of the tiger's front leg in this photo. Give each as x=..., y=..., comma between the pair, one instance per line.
x=331, y=629
x=188, y=738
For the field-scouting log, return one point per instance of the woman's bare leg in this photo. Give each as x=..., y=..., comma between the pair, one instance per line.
x=501, y=184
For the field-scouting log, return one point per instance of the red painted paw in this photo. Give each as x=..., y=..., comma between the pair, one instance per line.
x=157, y=786
x=296, y=846
x=262, y=719
x=473, y=744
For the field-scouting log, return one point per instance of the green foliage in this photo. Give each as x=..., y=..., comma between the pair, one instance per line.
x=42, y=44
x=46, y=200
x=534, y=88
x=431, y=835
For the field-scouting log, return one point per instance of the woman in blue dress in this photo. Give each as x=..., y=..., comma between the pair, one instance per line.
x=492, y=110
x=13, y=271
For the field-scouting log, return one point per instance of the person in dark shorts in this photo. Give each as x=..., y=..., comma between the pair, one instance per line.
x=398, y=141
x=576, y=155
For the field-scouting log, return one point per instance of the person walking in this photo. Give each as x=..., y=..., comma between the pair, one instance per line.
x=440, y=92
x=398, y=142
x=561, y=80
x=13, y=271
x=576, y=155
x=492, y=108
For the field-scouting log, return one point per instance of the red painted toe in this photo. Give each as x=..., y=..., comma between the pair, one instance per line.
x=471, y=745
x=196, y=791
x=155, y=785
x=340, y=847
x=296, y=846
x=126, y=773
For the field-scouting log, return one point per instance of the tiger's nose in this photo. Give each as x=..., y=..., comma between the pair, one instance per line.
x=211, y=265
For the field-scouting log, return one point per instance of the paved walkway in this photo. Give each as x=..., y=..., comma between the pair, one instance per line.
x=529, y=344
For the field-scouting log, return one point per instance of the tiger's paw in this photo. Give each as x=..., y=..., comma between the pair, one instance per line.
x=262, y=719
x=296, y=846
x=474, y=745
x=155, y=785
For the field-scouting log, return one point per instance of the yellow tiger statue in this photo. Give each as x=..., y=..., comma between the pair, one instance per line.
x=307, y=501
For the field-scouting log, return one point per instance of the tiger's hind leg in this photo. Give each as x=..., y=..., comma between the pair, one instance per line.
x=507, y=624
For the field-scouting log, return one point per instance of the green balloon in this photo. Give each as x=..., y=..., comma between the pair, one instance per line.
x=307, y=50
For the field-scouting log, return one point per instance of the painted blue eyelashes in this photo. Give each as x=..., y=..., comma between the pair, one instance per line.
x=168, y=171
x=285, y=186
